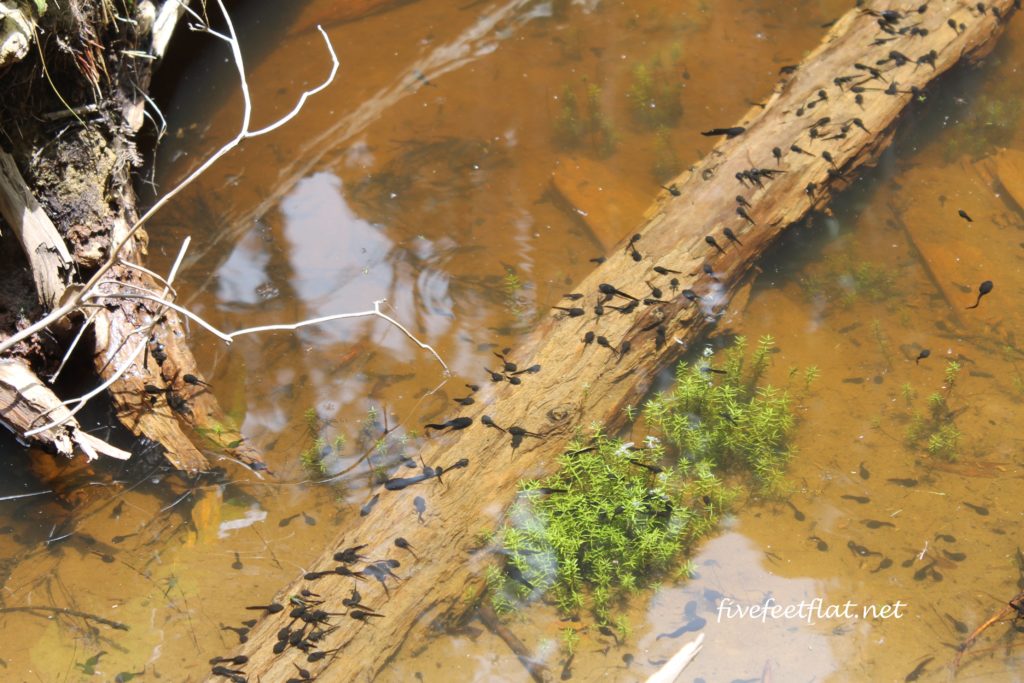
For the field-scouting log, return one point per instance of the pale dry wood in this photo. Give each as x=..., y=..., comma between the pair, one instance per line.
x=25, y=400
x=580, y=384
x=47, y=255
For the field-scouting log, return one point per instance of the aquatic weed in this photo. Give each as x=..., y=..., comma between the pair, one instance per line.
x=655, y=95
x=617, y=515
x=935, y=430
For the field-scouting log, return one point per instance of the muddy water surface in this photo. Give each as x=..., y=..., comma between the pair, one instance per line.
x=436, y=173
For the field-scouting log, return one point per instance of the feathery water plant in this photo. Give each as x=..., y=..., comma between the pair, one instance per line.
x=616, y=515
x=599, y=527
x=730, y=422
x=935, y=430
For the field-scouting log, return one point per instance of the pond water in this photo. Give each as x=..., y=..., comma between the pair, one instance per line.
x=431, y=174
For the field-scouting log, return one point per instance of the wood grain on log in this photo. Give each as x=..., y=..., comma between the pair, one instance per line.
x=579, y=384
x=25, y=402
x=47, y=255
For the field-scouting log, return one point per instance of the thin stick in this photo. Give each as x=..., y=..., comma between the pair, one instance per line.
x=69, y=612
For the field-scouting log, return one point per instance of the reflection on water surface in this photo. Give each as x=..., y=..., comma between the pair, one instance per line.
x=438, y=173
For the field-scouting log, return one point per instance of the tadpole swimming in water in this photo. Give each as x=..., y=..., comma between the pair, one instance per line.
x=421, y=506
x=983, y=289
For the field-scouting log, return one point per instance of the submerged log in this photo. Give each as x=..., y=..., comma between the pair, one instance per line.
x=839, y=126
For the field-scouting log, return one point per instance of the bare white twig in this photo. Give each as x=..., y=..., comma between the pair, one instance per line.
x=244, y=133
x=228, y=337
x=81, y=401
x=97, y=287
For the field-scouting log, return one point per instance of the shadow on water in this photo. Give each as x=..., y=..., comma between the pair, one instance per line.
x=439, y=197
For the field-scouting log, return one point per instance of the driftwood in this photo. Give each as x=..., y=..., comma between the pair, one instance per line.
x=43, y=246
x=23, y=399
x=581, y=383
x=56, y=254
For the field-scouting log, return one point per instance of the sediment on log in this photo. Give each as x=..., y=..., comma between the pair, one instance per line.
x=68, y=203
x=580, y=384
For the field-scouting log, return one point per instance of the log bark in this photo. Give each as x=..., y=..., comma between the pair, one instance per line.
x=23, y=402
x=582, y=383
x=85, y=182
x=44, y=248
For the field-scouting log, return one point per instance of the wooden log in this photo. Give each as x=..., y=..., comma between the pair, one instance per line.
x=581, y=383
x=47, y=255
x=25, y=402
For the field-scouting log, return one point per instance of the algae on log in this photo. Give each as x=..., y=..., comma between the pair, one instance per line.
x=582, y=383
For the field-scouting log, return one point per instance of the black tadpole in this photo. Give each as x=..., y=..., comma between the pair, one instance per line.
x=963, y=214
x=672, y=190
x=611, y=290
x=405, y=545
x=453, y=424
x=727, y=132
x=714, y=243
x=571, y=312
x=742, y=213
x=665, y=271
x=921, y=356
x=983, y=289
x=731, y=236
x=194, y=381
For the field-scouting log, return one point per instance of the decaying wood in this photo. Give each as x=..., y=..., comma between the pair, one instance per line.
x=151, y=415
x=47, y=255
x=118, y=326
x=24, y=401
x=579, y=384
x=17, y=25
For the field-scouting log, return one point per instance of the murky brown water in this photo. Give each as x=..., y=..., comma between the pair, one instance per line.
x=439, y=198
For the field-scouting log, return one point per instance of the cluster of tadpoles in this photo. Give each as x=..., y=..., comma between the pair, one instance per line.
x=892, y=24
x=309, y=622
x=175, y=401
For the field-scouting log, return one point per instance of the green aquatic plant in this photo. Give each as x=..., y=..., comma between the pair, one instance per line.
x=666, y=161
x=935, y=429
x=990, y=121
x=575, y=128
x=655, y=95
x=728, y=419
x=603, y=524
x=617, y=516
x=845, y=281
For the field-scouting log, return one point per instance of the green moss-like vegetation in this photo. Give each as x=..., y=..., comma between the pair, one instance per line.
x=584, y=127
x=727, y=419
x=934, y=429
x=845, y=281
x=666, y=162
x=992, y=120
x=608, y=524
x=655, y=95
x=617, y=515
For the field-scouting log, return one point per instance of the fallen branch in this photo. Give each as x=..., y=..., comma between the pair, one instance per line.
x=582, y=383
x=1013, y=607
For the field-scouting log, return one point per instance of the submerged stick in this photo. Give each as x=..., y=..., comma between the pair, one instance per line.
x=489, y=619
x=580, y=383
x=68, y=612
